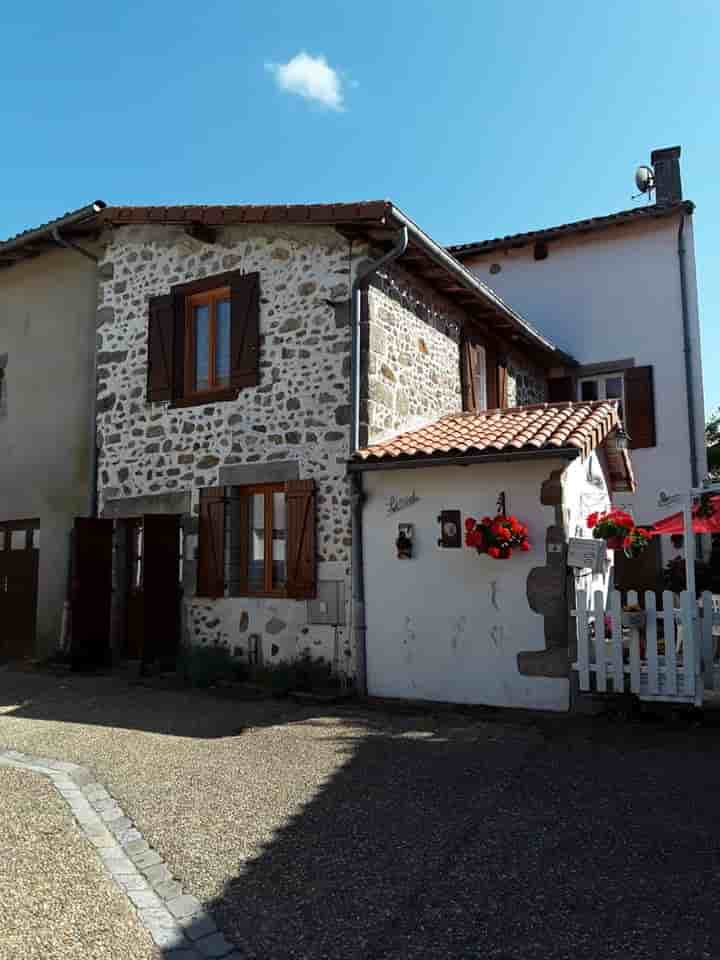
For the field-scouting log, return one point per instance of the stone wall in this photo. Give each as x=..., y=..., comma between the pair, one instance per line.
x=525, y=383
x=300, y=410
x=413, y=358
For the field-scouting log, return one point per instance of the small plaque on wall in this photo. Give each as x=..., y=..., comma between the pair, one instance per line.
x=585, y=553
x=450, y=529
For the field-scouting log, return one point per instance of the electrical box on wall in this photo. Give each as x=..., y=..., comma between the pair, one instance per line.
x=329, y=605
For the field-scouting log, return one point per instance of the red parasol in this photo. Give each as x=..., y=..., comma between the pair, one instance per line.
x=701, y=524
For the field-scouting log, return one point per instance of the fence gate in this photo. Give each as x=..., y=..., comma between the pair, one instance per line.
x=663, y=654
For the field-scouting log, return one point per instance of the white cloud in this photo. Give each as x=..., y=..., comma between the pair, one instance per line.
x=309, y=77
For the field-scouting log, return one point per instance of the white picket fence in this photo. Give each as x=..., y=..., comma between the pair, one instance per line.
x=668, y=654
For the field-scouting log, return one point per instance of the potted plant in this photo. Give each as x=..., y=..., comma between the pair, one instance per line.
x=636, y=541
x=613, y=526
x=496, y=536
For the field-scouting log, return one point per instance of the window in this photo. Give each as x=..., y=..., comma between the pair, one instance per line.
x=256, y=517
x=207, y=342
x=257, y=540
x=483, y=375
x=604, y=387
x=480, y=375
x=204, y=340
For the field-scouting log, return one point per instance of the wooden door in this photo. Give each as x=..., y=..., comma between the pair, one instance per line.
x=18, y=602
x=91, y=592
x=161, y=586
x=135, y=621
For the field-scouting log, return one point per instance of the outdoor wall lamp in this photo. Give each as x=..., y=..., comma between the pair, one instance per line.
x=622, y=438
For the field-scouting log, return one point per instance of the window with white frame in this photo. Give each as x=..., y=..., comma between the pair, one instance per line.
x=480, y=375
x=608, y=386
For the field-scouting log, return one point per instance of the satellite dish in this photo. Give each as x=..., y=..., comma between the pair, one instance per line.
x=645, y=178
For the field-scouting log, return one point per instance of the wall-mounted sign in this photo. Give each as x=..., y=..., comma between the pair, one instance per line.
x=586, y=553
x=450, y=529
x=396, y=504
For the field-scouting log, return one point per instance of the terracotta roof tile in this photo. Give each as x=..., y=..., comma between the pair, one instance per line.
x=548, y=426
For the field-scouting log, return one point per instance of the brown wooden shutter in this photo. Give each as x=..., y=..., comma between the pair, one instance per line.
x=469, y=361
x=492, y=379
x=561, y=389
x=640, y=407
x=502, y=384
x=302, y=567
x=180, y=345
x=211, y=543
x=245, y=330
x=161, y=324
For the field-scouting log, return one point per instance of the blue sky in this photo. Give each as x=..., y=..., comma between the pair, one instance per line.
x=477, y=118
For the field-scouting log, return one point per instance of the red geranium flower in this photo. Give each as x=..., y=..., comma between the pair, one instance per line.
x=494, y=552
x=525, y=546
x=469, y=523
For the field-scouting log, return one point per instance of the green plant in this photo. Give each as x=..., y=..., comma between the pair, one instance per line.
x=204, y=666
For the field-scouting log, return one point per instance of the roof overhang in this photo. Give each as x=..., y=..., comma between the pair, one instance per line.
x=37, y=240
x=462, y=460
x=624, y=218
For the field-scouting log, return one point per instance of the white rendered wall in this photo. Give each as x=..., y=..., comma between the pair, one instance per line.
x=610, y=295
x=448, y=624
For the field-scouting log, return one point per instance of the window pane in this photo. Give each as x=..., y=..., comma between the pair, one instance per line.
x=256, y=571
x=279, y=540
x=201, y=331
x=614, y=391
x=480, y=378
x=222, y=343
x=589, y=390
x=18, y=539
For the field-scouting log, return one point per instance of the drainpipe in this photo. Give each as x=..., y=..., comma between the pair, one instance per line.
x=69, y=245
x=689, y=382
x=357, y=497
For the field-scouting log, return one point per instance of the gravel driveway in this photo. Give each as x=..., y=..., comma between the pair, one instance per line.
x=347, y=834
x=57, y=902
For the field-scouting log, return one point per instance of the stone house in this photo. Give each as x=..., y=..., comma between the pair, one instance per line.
x=243, y=354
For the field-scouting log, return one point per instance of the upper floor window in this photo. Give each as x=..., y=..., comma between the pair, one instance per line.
x=207, y=340
x=604, y=387
x=204, y=340
x=484, y=376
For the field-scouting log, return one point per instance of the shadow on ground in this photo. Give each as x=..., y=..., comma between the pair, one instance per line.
x=451, y=837
x=595, y=842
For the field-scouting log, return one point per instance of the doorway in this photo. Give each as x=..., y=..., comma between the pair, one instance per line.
x=153, y=587
x=19, y=560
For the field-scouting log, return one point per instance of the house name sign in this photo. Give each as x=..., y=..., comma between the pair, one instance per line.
x=396, y=504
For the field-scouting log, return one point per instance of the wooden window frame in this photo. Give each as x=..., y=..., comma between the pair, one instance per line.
x=246, y=492
x=208, y=298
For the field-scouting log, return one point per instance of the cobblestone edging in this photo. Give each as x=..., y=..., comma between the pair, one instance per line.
x=176, y=922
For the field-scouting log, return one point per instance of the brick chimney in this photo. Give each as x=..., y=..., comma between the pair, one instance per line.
x=666, y=164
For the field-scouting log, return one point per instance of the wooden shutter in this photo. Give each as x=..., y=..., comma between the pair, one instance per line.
x=469, y=361
x=161, y=336
x=640, y=407
x=161, y=586
x=502, y=384
x=561, y=389
x=492, y=379
x=180, y=345
x=302, y=568
x=211, y=543
x=91, y=591
x=245, y=330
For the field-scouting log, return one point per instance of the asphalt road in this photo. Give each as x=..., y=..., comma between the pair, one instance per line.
x=324, y=834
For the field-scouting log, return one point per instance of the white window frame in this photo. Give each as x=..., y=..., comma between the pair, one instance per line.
x=601, y=380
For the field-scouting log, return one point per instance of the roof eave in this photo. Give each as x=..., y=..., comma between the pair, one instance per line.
x=461, y=460
x=19, y=247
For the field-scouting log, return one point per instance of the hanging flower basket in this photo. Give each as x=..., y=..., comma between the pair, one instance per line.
x=618, y=530
x=496, y=536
